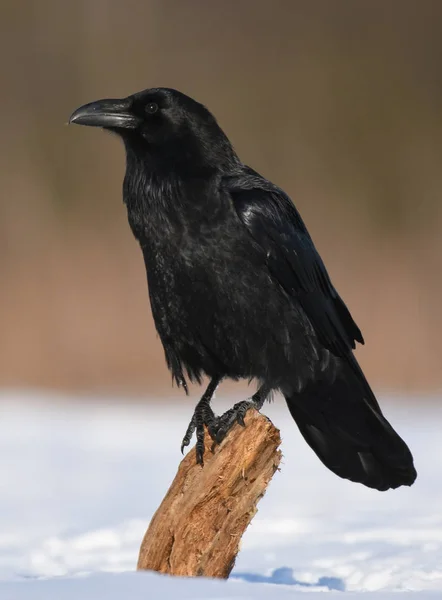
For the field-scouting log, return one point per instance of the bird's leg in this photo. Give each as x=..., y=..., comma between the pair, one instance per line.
x=203, y=415
x=237, y=413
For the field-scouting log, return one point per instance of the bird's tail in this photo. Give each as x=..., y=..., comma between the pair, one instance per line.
x=341, y=421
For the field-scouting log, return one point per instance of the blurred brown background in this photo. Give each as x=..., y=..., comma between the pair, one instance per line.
x=339, y=102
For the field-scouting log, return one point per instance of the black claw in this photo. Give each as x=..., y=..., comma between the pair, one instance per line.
x=241, y=421
x=185, y=443
x=220, y=435
x=188, y=435
x=212, y=432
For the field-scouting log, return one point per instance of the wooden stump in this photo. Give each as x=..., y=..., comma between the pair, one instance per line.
x=198, y=526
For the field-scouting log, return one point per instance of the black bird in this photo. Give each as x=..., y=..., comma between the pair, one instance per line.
x=238, y=289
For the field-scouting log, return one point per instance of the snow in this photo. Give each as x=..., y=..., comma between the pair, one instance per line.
x=142, y=586
x=81, y=477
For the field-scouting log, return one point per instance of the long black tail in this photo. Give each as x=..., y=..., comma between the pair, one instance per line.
x=340, y=419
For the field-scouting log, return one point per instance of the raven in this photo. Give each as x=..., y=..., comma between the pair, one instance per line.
x=238, y=289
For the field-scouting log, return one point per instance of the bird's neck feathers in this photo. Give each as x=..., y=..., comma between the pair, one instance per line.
x=159, y=201
x=158, y=184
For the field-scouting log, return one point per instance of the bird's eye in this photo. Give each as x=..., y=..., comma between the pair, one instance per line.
x=151, y=108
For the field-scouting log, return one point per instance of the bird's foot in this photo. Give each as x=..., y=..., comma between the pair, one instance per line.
x=203, y=415
x=234, y=415
x=218, y=427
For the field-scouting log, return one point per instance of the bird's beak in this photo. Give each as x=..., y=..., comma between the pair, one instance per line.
x=106, y=113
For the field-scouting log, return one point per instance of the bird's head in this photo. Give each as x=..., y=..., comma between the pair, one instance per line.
x=163, y=127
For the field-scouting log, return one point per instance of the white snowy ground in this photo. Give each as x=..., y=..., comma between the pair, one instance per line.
x=80, y=479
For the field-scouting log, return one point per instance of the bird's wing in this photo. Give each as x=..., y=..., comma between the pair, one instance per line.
x=272, y=220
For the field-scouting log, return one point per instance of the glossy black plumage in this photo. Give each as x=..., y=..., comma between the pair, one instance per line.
x=237, y=288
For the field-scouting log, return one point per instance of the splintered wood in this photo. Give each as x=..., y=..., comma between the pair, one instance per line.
x=198, y=526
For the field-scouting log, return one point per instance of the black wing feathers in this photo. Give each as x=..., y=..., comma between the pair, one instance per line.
x=275, y=224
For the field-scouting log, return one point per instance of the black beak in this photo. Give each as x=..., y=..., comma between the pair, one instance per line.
x=106, y=113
